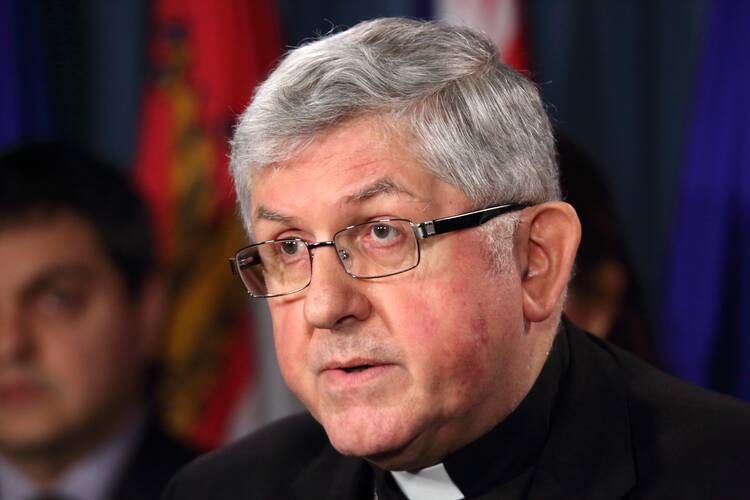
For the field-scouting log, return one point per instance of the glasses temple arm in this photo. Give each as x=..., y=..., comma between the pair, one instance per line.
x=464, y=221
x=235, y=265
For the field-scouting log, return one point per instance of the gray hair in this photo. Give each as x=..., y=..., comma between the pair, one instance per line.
x=469, y=119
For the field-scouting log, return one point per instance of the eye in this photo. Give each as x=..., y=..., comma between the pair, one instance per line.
x=290, y=248
x=383, y=232
x=59, y=302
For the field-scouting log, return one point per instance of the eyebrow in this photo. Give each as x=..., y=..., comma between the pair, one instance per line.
x=263, y=212
x=55, y=274
x=382, y=186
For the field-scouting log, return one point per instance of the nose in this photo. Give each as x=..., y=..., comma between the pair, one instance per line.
x=333, y=299
x=15, y=342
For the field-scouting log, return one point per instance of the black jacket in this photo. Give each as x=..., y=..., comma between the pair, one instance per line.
x=618, y=429
x=156, y=459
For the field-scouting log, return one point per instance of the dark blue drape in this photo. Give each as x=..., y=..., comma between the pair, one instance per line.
x=706, y=327
x=24, y=104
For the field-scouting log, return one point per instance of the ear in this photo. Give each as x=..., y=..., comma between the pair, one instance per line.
x=549, y=234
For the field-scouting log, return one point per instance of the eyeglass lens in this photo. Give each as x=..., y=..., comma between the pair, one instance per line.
x=370, y=250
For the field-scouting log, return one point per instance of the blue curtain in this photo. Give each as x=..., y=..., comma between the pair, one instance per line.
x=706, y=327
x=24, y=104
x=618, y=78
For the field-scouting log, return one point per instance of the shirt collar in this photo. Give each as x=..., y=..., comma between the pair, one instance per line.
x=431, y=483
x=88, y=479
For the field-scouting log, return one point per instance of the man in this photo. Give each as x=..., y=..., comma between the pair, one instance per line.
x=80, y=307
x=401, y=185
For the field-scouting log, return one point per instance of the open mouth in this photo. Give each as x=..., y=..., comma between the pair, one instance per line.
x=351, y=374
x=355, y=369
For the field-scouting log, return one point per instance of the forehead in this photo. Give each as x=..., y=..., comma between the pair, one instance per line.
x=348, y=167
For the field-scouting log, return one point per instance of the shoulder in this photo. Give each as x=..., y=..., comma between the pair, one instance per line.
x=657, y=396
x=257, y=466
x=676, y=410
x=161, y=446
x=686, y=439
x=154, y=462
x=683, y=423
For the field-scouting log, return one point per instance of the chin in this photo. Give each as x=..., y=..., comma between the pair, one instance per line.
x=382, y=436
x=29, y=441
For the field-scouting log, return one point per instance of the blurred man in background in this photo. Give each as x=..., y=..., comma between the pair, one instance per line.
x=605, y=296
x=80, y=312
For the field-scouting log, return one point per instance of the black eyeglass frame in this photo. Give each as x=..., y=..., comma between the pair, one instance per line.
x=422, y=231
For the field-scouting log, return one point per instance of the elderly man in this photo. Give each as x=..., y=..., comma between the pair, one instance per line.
x=402, y=189
x=79, y=321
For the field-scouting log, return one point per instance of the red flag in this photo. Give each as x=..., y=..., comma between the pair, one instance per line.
x=501, y=20
x=206, y=58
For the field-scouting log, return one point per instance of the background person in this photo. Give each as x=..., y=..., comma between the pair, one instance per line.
x=605, y=296
x=80, y=311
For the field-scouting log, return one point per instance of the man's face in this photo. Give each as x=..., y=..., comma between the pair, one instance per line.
x=70, y=352
x=442, y=345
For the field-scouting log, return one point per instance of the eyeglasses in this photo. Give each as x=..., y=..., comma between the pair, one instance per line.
x=375, y=249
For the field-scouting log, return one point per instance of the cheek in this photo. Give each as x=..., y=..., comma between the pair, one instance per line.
x=468, y=346
x=425, y=323
x=478, y=366
x=480, y=331
x=99, y=358
x=82, y=371
x=289, y=336
x=452, y=342
x=429, y=309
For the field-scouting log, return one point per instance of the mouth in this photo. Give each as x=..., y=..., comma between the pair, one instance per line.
x=354, y=365
x=20, y=392
x=356, y=373
x=356, y=368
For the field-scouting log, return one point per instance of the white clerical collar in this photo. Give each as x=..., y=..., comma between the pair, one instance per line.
x=431, y=483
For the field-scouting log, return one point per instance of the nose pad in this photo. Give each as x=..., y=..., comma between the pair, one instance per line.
x=333, y=296
x=344, y=255
x=346, y=258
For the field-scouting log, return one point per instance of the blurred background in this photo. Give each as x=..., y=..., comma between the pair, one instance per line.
x=649, y=98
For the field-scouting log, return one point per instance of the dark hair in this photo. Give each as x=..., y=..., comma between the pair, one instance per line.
x=40, y=180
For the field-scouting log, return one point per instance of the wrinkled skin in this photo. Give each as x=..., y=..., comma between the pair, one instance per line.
x=446, y=346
